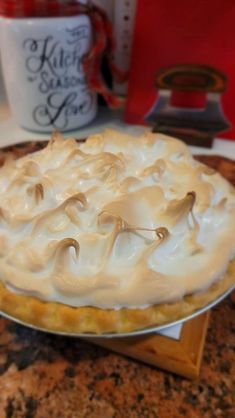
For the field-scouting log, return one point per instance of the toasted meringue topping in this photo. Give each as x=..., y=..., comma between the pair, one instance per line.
x=114, y=222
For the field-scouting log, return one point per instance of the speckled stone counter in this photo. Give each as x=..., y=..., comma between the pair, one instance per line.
x=46, y=376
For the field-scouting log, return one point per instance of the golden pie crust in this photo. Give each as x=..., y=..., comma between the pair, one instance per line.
x=56, y=317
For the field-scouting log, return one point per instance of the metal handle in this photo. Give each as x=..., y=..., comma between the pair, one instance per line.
x=191, y=77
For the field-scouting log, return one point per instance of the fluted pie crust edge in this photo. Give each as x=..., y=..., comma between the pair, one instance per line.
x=57, y=317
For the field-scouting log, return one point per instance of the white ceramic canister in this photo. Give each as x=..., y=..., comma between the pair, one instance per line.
x=43, y=73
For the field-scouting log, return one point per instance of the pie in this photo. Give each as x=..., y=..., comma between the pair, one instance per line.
x=113, y=235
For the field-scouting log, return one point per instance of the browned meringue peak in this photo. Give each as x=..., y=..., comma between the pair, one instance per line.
x=218, y=212
x=72, y=157
x=204, y=169
x=120, y=226
x=129, y=184
x=184, y=237
x=96, y=164
x=20, y=174
x=31, y=168
x=16, y=223
x=131, y=206
x=54, y=155
x=121, y=231
x=3, y=215
x=27, y=255
x=162, y=235
x=121, y=142
x=4, y=243
x=176, y=178
x=7, y=219
x=105, y=167
x=36, y=191
x=176, y=249
x=23, y=202
x=67, y=264
x=57, y=140
x=58, y=218
x=62, y=253
x=156, y=169
x=178, y=210
x=7, y=171
x=110, y=225
x=73, y=206
x=24, y=261
x=150, y=201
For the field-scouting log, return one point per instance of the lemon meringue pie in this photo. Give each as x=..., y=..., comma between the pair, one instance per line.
x=113, y=234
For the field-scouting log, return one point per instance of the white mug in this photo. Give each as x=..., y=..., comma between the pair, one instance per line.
x=43, y=72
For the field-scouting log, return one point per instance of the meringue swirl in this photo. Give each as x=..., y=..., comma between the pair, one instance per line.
x=117, y=221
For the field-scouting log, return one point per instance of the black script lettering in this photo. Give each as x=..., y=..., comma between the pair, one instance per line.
x=87, y=103
x=45, y=54
x=57, y=110
x=77, y=33
x=48, y=114
x=44, y=85
x=70, y=59
x=48, y=83
x=42, y=116
x=36, y=63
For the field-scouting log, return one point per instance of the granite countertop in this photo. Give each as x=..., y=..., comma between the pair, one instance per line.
x=47, y=376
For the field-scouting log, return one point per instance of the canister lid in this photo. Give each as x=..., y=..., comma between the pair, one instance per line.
x=41, y=8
